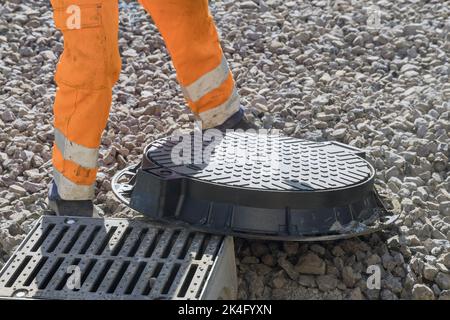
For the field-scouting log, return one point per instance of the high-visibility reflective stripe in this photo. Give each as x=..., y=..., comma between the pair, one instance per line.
x=85, y=157
x=209, y=81
x=72, y=170
x=219, y=114
x=68, y=190
x=214, y=98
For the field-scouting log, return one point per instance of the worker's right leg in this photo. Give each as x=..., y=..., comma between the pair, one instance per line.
x=85, y=75
x=192, y=40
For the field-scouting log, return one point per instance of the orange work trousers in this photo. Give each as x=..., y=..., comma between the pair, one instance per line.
x=90, y=65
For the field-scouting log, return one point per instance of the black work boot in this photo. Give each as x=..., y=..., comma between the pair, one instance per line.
x=60, y=207
x=237, y=121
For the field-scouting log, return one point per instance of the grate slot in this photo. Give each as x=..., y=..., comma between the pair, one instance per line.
x=100, y=275
x=213, y=247
x=86, y=269
x=119, y=276
x=123, y=238
x=146, y=242
x=195, y=282
x=195, y=246
x=203, y=246
x=203, y=280
x=150, y=282
x=154, y=243
x=171, y=278
x=57, y=239
x=136, y=273
x=43, y=237
x=18, y=271
x=32, y=264
x=186, y=246
x=141, y=283
x=106, y=238
x=47, y=243
x=178, y=280
x=170, y=243
x=110, y=276
x=35, y=271
x=187, y=280
x=67, y=237
x=162, y=243
x=162, y=278
x=179, y=245
x=47, y=277
x=137, y=242
x=73, y=239
x=90, y=276
x=91, y=235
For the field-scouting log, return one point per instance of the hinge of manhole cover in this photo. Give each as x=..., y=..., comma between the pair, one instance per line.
x=89, y=258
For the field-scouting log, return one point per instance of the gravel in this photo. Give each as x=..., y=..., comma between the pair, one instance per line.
x=319, y=70
x=311, y=263
x=422, y=292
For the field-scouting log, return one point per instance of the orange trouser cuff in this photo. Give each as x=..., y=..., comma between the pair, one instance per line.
x=73, y=171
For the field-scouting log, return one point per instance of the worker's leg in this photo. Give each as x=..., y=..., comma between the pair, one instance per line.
x=85, y=75
x=192, y=41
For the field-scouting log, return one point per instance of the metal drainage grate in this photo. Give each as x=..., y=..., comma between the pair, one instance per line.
x=88, y=258
x=256, y=186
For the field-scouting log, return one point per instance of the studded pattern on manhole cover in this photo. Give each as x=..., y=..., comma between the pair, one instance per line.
x=265, y=162
x=88, y=258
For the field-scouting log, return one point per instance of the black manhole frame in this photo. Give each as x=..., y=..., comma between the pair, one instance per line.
x=383, y=219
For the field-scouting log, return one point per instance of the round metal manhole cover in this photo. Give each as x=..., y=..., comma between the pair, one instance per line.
x=260, y=161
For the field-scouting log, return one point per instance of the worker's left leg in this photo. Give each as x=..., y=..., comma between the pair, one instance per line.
x=202, y=70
